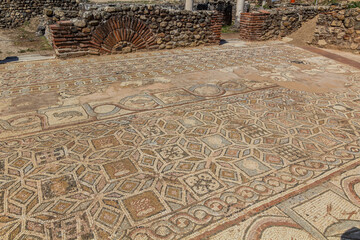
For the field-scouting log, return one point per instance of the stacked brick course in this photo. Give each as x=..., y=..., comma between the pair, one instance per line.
x=68, y=41
x=216, y=25
x=252, y=25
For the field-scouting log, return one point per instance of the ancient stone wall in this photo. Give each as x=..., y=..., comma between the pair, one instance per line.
x=272, y=24
x=106, y=29
x=339, y=28
x=14, y=13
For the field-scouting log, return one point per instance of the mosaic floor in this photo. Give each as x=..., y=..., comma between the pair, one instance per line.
x=239, y=141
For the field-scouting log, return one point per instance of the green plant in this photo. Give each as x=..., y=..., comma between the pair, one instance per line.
x=45, y=44
x=228, y=29
x=331, y=2
x=353, y=5
x=26, y=23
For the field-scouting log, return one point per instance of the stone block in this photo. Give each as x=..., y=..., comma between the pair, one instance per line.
x=335, y=23
x=80, y=23
x=322, y=43
x=349, y=22
x=354, y=46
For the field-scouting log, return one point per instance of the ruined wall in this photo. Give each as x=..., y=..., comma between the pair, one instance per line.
x=339, y=28
x=106, y=29
x=14, y=13
x=272, y=24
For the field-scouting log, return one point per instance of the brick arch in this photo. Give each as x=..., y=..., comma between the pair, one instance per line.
x=119, y=33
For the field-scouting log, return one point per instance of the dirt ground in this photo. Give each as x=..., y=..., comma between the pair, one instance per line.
x=305, y=34
x=23, y=41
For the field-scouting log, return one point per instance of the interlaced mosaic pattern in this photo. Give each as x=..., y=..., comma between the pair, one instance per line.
x=187, y=162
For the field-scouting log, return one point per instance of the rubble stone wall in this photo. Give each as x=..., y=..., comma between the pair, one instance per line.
x=14, y=13
x=339, y=28
x=106, y=29
x=272, y=24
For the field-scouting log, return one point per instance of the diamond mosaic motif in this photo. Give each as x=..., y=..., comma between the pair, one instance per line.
x=216, y=141
x=90, y=177
x=174, y=192
x=129, y=186
x=251, y=166
x=325, y=141
x=61, y=207
x=228, y=175
x=190, y=122
x=23, y=195
x=107, y=217
x=157, y=162
x=105, y=142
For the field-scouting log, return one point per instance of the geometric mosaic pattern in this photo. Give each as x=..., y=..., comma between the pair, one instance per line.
x=330, y=212
x=190, y=161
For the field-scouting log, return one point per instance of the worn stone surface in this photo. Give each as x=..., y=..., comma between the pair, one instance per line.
x=185, y=143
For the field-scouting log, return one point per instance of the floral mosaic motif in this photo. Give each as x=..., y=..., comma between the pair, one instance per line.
x=146, y=169
x=59, y=186
x=203, y=183
x=182, y=161
x=151, y=131
x=172, y=153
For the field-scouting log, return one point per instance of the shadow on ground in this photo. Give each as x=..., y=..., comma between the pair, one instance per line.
x=351, y=234
x=9, y=59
